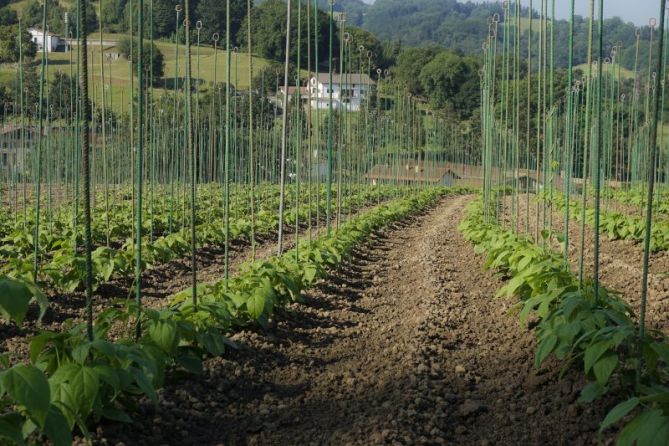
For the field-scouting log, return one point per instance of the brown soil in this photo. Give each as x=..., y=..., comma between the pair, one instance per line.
x=403, y=345
x=620, y=264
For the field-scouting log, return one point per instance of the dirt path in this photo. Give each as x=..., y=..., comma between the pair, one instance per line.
x=405, y=345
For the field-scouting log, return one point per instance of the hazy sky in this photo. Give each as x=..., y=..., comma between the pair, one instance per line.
x=637, y=11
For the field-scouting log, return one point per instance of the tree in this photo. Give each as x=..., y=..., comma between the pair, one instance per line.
x=60, y=94
x=9, y=44
x=129, y=49
x=112, y=14
x=92, y=23
x=360, y=37
x=212, y=13
x=268, y=27
x=451, y=83
x=5, y=95
x=410, y=62
x=30, y=89
x=355, y=10
x=33, y=13
x=266, y=80
x=8, y=16
x=164, y=17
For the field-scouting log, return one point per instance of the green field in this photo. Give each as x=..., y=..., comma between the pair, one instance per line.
x=206, y=66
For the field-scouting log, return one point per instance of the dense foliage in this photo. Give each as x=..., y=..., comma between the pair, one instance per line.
x=269, y=30
x=449, y=80
x=9, y=44
x=154, y=61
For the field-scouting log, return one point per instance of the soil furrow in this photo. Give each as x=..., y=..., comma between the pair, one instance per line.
x=402, y=345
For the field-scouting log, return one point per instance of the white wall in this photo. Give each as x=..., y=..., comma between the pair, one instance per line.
x=352, y=103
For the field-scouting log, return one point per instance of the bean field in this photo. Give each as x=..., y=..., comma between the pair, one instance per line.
x=257, y=223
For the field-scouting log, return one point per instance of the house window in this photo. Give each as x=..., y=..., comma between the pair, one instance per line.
x=4, y=159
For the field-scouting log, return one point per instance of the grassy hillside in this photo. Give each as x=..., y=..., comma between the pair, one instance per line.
x=118, y=72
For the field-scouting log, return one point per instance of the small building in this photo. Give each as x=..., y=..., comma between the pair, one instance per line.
x=450, y=174
x=348, y=91
x=53, y=42
x=413, y=172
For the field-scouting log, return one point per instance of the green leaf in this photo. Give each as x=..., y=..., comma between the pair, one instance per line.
x=258, y=301
x=255, y=305
x=10, y=428
x=310, y=272
x=592, y=391
x=190, y=362
x=84, y=385
x=545, y=349
x=14, y=299
x=80, y=352
x=605, y=367
x=56, y=428
x=164, y=334
x=212, y=341
x=237, y=299
x=109, y=376
x=43, y=304
x=144, y=384
x=641, y=430
x=38, y=342
x=593, y=353
x=28, y=386
x=116, y=415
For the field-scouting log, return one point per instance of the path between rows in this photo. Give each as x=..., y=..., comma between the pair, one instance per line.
x=404, y=345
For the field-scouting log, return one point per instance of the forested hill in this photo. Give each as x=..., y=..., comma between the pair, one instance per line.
x=464, y=27
x=447, y=23
x=355, y=9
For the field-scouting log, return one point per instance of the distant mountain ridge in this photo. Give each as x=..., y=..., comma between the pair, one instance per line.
x=463, y=27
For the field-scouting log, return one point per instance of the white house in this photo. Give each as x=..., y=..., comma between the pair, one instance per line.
x=349, y=90
x=53, y=42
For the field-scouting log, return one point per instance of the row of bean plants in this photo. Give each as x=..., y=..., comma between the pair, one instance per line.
x=596, y=332
x=73, y=380
x=65, y=272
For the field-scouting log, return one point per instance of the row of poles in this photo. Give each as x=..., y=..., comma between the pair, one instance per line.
x=546, y=131
x=195, y=148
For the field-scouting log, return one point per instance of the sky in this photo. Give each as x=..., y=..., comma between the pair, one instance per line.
x=637, y=11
